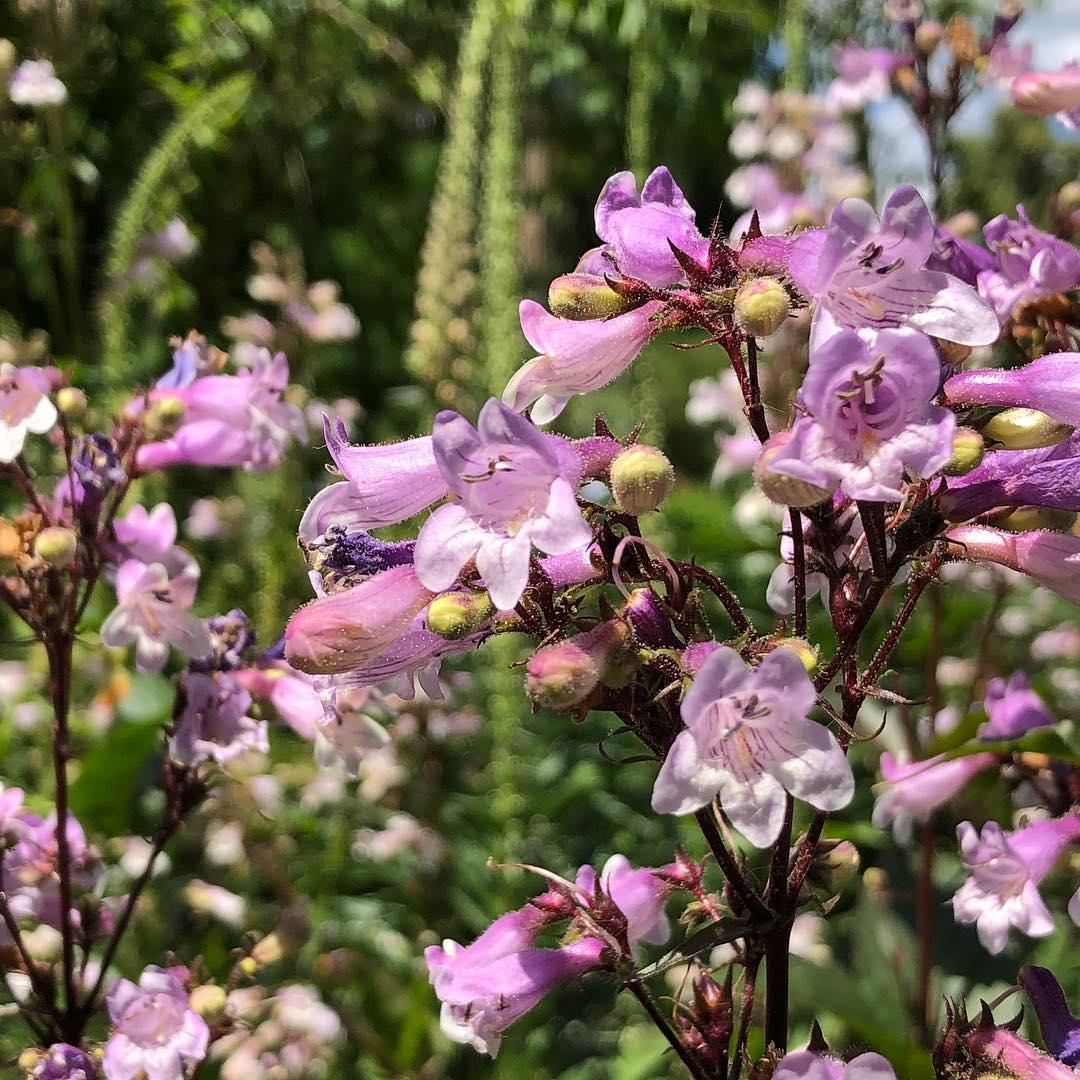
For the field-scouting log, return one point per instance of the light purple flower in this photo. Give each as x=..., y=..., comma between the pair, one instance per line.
x=62, y=1061
x=214, y=724
x=290, y=692
x=151, y=538
x=348, y=629
x=24, y=407
x=1050, y=384
x=1052, y=559
x=1048, y=476
x=156, y=1034
x=1013, y=708
x=34, y=83
x=486, y=986
x=870, y=418
x=1031, y=264
x=1006, y=869
x=152, y=614
x=863, y=75
x=914, y=790
x=230, y=420
x=807, y=1065
x=871, y=273
x=639, y=229
x=383, y=485
x=748, y=739
x=515, y=489
x=576, y=356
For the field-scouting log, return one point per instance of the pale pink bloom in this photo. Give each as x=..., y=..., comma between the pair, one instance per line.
x=34, y=83
x=152, y=614
x=1006, y=869
x=808, y=1065
x=748, y=741
x=24, y=407
x=1050, y=93
x=156, y=1034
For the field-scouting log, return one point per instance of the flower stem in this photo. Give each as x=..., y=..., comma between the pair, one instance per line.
x=637, y=988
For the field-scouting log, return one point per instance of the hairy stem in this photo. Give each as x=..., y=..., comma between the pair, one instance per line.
x=727, y=863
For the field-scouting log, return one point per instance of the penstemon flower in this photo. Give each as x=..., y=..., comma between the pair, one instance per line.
x=24, y=407
x=748, y=740
x=807, y=1065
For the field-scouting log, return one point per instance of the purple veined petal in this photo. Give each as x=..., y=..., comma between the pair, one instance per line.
x=723, y=673
x=1050, y=384
x=503, y=563
x=685, y=782
x=755, y=804
x=805, y=1065
x=838, y=354
x=851, y=224
x=498, y=423
x=813, y=767
x=210, y=443
x=869, y=1067
x=956, y=313
x=447, y=541
x=619, y=192
x=394, y=481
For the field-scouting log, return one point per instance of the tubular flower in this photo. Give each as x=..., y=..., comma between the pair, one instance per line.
x=863, y=75
x=748, y=740
x=24, y=407
x=1050, y=384
x=514, y=488
x=1013, y=708
x=1052, y=559
x=1060, y=1029
x=1050, y=93
x=1006, y=869
x=870, y=418
x=871, y=273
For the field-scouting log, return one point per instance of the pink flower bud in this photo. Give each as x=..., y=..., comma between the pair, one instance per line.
x=1044, y=93
x=347, y=629
x=563, y=675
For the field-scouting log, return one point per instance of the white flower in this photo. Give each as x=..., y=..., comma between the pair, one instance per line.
x=34, y=83
x=24, y=407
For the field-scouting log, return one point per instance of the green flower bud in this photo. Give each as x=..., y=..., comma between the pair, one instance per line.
x=56, y=546
x=802, y=648
x=71, y=401
x=585, y=296
x=1025, y=429
x=641, y=478
x=164, y=416
x=761, y=306
x=456, y=615
x=1029, y=518
x=779, y=488
x=208, y=1001
x=968, y=450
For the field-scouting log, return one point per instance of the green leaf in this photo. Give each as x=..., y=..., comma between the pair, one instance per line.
x=103, y=797
x=1059, y=742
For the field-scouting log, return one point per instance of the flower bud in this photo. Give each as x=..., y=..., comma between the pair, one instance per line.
x=71, y=401
x=641, y=478
x=164, y=416
x=456, y=615
x=249, y=966
x=563, y=675
x=30, y=1059
x=781, y=489
x=962, y=40
x=56, y=546
x=928, y=36
x=644, y=612
x=208, y=1001
x=1068, y=198
x=802, y=648
x=585, y=296
x=968, y=450
x=762, y=306
x=10, y=540
x=1025, y=429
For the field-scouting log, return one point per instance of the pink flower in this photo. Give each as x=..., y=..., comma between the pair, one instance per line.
x=1052, y=559
x=748, y=740
x=34, y=83
x=1050, y=93
x=576, y=356
x=807, y=1065
x=24, y=407
x=156, y=1034
x=151, y=538
x=1006, y=869
x=292, y=694
x=229, y=420
x=863, y=75
x=639, y=894
x=383, y=485
x=1013, y=708
x=515, y=489
x=152, y=614
x=914, y=790
x=348, y=629
x=867, y=273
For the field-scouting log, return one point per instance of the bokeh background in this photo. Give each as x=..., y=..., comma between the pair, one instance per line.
x=439, y=161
